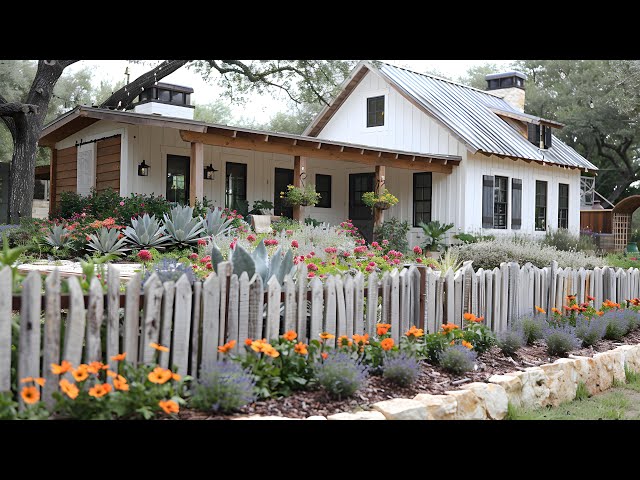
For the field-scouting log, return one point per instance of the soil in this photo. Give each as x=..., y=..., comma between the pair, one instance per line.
x=431, y=380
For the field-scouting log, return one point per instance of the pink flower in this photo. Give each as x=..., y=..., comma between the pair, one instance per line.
x=385, y=242
x=142, y=205
x=289, y=232
x=372, y=264
x=311, y=275
x=346, y=254
x=145, y=255
x=360, y=249
x=205, y=259
x=331, y=250
x=202, y=241
x=417, y=250
x=386, y=257
x=374, y=244
x=251, y=238
x=312, y=266
x=396, y=261
x=294, y=243
x=121, y=204
x=194, y=266
x=193, y=256
x=232, y=245
x=209, y=266
x=313, y=254
x=368, y=268
x=419, y=260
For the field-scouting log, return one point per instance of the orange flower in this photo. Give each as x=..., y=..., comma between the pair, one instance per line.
x=176, y=376
x=111, y=373
x=326, y=336
x=64, y=367
x=270, y=351
x=81, y=373
x=99, y=390
x=248, y=341
x=119, y=357
x=95, y=367
x=324, y=355
x=301, y=348
x=364, y=339
x=160, y=348
x=448, y=327
x=30, y=395
x=227, y=346
x=555, y=310
x=120, y=383
x=383, y=328
x=415, y=332
x=570, y=298
x=452, y=342
x=590, y=298
x=599, y=313
x=26, y=380
x=540, y=310
x=290, y=335
x=40, y=381
x=566, y=308
x=467, y=344
x=257, y=345
x=343, y=341
x=159, y=375
x=609, y=304
x=387, y=344
x=469, y=317
x=69, y=389
x=169, y=406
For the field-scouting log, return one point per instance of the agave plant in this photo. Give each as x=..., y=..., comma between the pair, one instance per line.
x=216, y=223
x=106, y=241
x=181, y=227
x=146, y=232
x=57, y=236
x=257, y=261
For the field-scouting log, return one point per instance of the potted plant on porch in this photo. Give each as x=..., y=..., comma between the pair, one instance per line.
x=434, y=231
x=382, y=201
x=305, y=196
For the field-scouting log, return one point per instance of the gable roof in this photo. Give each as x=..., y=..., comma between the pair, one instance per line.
x=472, y=115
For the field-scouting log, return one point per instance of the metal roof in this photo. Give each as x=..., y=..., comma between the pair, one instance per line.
x=468, y=113
x=506, y=74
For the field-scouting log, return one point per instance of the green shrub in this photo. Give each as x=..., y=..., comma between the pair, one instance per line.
x=469, y=238
x=457, y=359
x=510, y=341
x=590, y=330
x=312, y=221
x=285, y=223
x=532, y=328
x=561, y=340
x=617, y=324
x=395, y=232
x=225, y=389
x=340, y=375
x=563, y=240
x=622, y=260
x=401, y=370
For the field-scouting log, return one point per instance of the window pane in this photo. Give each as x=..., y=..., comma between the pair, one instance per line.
x=375, y=111
x=177, y=189
x=177, y=97
x=323, y=187
x=421, y=198
x=164, y=95
x=236, y=186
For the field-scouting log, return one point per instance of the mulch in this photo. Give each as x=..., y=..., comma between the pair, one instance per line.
x=432, y=379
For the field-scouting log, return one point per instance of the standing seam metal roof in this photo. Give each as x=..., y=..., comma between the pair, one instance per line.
x=467, y=111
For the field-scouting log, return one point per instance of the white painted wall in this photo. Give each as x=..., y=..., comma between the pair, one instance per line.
x=165, y=109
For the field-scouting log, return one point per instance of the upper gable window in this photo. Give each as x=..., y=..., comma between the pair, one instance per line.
x=375, y=111
x=539, y=135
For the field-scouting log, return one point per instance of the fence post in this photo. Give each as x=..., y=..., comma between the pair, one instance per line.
x=94, y=322
x=273, y=309
x=358, y=285
x=151, y=321
x=6, y=287
x=132, y=318
x=330, y=308
x=317, y=307
x=29, y=344
x=52, y=321
x=113, y=315
x=169, y=289
x=372, y=303
x=74, y=333
x=211, y=321
x=182, y=325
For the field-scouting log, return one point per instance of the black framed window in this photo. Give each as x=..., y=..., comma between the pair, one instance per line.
x=375, y=111
x=421, y=198
x=323, y=187
x=178, y=173
x=516, y=203
x=235, y=186
x=537, y=133
x=541, y=205
x=164, y=95
x=563, y=205
x=500, y=202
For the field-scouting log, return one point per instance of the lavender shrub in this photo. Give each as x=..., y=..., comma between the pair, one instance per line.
x=617, y=324
x=457, y=359
x=340, y=375
x=590, y=331
x=225, y=389
x=561, y=340
x=401, y=370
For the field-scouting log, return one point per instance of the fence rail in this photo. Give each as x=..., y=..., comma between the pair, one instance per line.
x=193, y=320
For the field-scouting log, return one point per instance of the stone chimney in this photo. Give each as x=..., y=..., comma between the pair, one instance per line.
x=509, y=86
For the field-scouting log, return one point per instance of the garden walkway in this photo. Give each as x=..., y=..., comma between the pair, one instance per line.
x=68, y=268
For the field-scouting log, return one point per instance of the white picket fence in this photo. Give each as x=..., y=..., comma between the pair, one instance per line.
x=193, y=320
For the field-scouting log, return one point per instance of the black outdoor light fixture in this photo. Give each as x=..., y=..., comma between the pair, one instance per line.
x=143, y=169
x=209, y=172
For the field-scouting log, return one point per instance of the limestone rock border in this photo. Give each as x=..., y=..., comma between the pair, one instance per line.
x=547, y=385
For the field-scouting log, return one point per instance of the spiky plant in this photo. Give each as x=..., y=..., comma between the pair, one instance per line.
x=182, y=228
x=57, y=236
x=106, y=241
x=216, y=223
x=146, y=232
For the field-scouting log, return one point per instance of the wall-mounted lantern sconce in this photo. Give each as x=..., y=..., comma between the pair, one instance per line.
x=143, y=169
x=209, y=172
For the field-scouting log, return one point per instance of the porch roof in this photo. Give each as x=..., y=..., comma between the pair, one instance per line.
x=249, y=139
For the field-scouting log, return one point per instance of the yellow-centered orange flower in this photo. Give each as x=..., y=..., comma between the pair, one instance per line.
x=112, y=374
x=176, y=376
x=99, y=390
x=270, y=351
x=301, y=348
x=361, y=339
x=541, y=310
x=448, y=327
x=169, y=406
x=555, y=310
x=326, y=336
x=26, y=380
x=120, y=383
x=119, y=357
x=248, y=341
x=387, y=344
x=467, y=344
x=40, y=381
x=382, y=328
x=159, y=375
x=290, y=335
x=343, y=341
x=68, y=388
x=30, y=395
x=227, y=346
x=257, y=345
x=64, y=367
x=81, y=373
x=95, y=367
x=469, y=317
x=415, y=332
x=599, y=313
x=160, y=348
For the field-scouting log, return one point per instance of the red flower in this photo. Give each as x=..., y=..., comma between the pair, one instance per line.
x=205, y=259
x=311, y=275
x=193, y=256
x=417, y=250
x=209, y=266
x=145, y=255
x=202, y=241
x=251, y=238
x=294, y=244
x=289, y=232
x=312, y=267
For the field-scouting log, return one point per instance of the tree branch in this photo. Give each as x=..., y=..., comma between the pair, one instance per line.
x=15, y=108
x=8, y=121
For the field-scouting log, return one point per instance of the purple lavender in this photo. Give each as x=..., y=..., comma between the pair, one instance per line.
x=225, y=389
x=617, y=324
x=457, y=359
x=561, y=340
x=340, y=375
x=590, y=331
x=401, y=369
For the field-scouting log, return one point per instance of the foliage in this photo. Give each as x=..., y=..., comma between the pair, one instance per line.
x=304, y=196
x=227, y=387
x=510, y=341
x=401, y=369
x=622, y=260
x=434, y=231
x=562, y=239
x=9, y=409
x=182, y=228
x=170, y=270
x=477, y=333
x=261, y=207
x=450, y=260
x=217, y=111
x=25, y=233
x=57, y=236
x=312, y=221
x=107, y=240
x=590, y=330
x=395, y=233
x=146, y=232
x=340, y=375
x=457, y=359
x=285, y=223
x=469, y=238
x=490, y=254
x=561, y=340
x=532, y=328
x=382, y=200
x=617, y=324
x=217, y=223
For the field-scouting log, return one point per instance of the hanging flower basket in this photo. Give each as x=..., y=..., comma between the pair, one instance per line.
x=382, y=205
x=300, y=196
x=382, y=201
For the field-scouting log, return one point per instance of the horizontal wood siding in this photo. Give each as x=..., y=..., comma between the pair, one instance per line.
x=108, y=164
x=66, y=171
x=598, y=221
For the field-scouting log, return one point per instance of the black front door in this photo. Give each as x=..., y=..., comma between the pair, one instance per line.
x=283, y=177
x=178, y=179
x=359, y=213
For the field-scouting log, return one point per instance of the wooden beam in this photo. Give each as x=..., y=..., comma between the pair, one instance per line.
x=196, y=183
x=367, y=158
x=53, y=166
x=299, y=172
x=378, y=215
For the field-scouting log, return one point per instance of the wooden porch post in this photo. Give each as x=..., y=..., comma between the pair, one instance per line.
x=196, y=182
x=299, y=168
x=378, y=215
x=53, y=166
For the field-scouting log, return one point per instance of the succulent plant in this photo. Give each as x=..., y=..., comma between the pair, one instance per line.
x=146, y=232
x=107, y=241
x=257, y=261
x=57, y=236
x=182, y=228
x=216, y=223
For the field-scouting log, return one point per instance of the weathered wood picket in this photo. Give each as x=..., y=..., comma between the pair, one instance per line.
x=193, y=320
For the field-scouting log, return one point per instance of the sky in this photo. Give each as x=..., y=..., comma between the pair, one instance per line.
x=262, y=107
